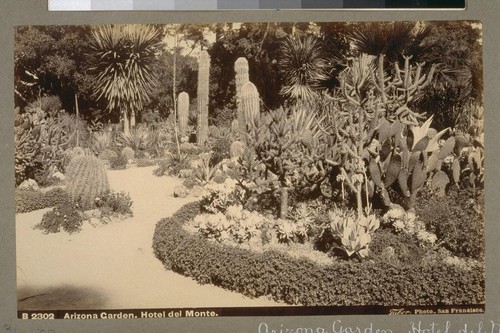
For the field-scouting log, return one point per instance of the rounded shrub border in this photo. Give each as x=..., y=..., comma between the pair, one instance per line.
x=304, y=282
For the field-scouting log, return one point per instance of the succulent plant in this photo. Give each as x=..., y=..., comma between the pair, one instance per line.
x=183, y=112
x=250, y=103
x=242, y=77
x=203, y=83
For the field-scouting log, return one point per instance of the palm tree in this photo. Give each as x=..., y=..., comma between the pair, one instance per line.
x=391, y=39
x=124, y=57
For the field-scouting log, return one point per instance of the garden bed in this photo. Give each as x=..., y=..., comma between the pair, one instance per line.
x=303, y=282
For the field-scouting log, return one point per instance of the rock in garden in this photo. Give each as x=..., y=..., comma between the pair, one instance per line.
x=180, y=191
x=197, y=191
x=29, y=184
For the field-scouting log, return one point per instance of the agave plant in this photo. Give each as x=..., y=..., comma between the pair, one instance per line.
x=124, y=55
x=136, y=138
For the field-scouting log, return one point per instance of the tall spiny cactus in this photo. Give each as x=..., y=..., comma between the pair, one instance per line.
x=183, y=112
x=250, y=103
x=86, y=179
x=242, y=77
x=203, y=80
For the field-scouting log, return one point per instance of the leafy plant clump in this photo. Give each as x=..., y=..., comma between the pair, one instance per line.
x=65, y=215
x=302, y=281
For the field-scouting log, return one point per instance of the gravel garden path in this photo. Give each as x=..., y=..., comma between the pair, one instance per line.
x=111, y=266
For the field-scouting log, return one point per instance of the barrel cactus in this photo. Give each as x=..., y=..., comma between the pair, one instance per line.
x=183, y=112
x=203, y=81
x=86, y=179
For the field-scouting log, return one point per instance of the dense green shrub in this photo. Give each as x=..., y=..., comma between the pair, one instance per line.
x=301, y=281
x=27, y=200
x=457, y=220
x=65, y=215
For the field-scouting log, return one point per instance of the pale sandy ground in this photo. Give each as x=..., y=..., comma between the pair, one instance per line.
x=112, y=266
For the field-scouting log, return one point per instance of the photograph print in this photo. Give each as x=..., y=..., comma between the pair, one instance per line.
x=249, y=169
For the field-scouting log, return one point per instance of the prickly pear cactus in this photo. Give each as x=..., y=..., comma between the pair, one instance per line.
x=203, y=80
x=86, y=179
x=410, y=160
x=183, y=112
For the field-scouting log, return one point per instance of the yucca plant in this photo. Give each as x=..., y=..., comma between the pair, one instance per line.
x=125, y=77
x=303, y=68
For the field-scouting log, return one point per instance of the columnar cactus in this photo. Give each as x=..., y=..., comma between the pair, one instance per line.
x=86, y=179
x=242, y=77
x=250, y=102
x=203, y=80
x=183, y=112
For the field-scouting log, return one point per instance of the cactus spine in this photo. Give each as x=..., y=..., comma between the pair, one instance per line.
x=203, y=78
x=183, y=112
x=250, y=103
x=242, y=77
x=86, y=179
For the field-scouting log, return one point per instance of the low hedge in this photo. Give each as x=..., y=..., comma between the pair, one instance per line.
x=303, y=282
x=29, y=200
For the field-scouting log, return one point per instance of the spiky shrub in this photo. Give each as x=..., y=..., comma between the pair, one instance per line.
x=203, y=81
x=183, y=110
x=242, y=77
x=101, y=141
x=86, y=179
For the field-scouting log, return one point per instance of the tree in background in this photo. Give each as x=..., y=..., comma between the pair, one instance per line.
x=52, y=61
